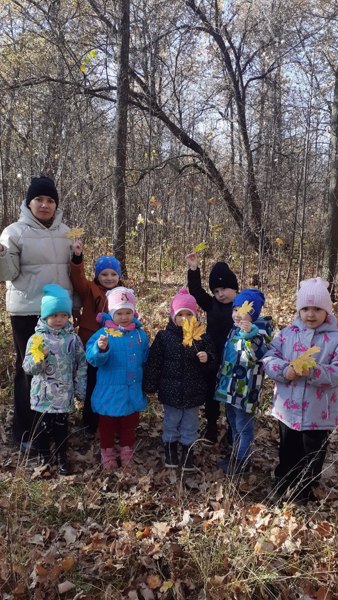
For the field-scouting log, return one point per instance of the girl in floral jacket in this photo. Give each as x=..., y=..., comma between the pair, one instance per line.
x=56, y=359
x=306, y=404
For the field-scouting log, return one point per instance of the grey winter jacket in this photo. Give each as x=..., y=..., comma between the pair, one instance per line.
x=33, y=255
x=308, y=402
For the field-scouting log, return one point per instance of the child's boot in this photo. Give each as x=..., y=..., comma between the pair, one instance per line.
x=171, y=457
x=62, y=463
x=126, y=456
x=187, y=458
x=210, y=433
x=108, y=459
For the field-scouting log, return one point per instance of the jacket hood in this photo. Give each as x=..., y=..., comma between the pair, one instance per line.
x=26, y=216
x=330, y=324
x=43, y=327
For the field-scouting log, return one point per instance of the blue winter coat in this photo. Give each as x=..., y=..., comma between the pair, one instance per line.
x=118, y=390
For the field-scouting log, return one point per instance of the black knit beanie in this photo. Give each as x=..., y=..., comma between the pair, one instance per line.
x=42, y=186
x=221, y=276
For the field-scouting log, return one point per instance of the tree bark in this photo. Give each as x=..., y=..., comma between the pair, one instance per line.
x=120, y=137
x=332, y=235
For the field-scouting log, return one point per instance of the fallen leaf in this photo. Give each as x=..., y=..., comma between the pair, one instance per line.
x=154, y=581
x=65, y=587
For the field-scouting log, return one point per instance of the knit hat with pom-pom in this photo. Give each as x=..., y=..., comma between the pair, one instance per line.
x=183, y=301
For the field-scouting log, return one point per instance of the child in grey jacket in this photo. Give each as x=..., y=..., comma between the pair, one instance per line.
x=56, y=359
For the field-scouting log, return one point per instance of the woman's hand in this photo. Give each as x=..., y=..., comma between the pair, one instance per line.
x=102, y=343
x=77, y=247
x=192, y=261
x=202, y=357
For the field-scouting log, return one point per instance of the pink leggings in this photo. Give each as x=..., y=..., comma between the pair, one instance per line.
x=124, y=427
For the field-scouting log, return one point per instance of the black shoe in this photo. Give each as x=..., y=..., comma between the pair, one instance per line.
x=187, y=458
x=171, y=457
x=209, y=435
x=230, y=466
x=63, y=465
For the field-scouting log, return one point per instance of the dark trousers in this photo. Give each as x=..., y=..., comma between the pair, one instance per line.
x=23, y=420
x=124, y=427
x=51, y=427
x=90, y=419
x=301, y=458
x=212, y=409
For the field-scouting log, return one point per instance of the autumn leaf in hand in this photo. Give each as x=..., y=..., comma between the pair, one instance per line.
x=36, y=348
x=114, y=332
x=245, y=309
x=192, y=330
x=305, y=360
x=74, y=233
x=200, y=247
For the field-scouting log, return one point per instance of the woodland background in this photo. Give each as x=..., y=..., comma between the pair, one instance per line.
x=166, y=123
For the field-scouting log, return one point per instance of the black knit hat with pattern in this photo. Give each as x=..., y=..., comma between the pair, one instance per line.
x=42, y=186
x=221, y=276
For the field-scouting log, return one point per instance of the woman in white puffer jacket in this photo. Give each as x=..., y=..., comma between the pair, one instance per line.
x=34, y=251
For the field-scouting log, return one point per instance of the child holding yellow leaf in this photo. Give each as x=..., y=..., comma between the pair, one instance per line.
x=56, y=359
x=118, y=350
x=180, y=360
x=107, y=276
x=241, y=375
x=303, y=361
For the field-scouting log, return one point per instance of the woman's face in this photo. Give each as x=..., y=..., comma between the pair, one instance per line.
x=43, y=208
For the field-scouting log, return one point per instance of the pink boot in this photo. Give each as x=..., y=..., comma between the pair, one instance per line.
x=126, y=455
x=108, y=459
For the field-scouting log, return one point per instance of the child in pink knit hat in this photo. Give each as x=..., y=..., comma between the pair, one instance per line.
x=119, y=351
x=305, y=399
x=178, y=373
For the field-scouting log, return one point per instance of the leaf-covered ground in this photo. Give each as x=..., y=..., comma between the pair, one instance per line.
x=148, y=533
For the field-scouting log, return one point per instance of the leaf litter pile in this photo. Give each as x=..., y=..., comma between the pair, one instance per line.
x=150, y=533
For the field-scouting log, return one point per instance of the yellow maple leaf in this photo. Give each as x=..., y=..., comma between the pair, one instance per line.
x=75, y=232
x=192, y=330
x=200, y=247
x=245, y=309
x=36, y=348
x=305, y=360
x=114, y=332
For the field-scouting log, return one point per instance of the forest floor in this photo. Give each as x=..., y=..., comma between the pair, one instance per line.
x=149, y=533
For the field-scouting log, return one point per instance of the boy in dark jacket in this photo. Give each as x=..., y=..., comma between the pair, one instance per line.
x=179, y=374
x=224, y=287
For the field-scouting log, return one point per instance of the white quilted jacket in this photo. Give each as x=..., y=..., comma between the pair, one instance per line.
x=33, y=256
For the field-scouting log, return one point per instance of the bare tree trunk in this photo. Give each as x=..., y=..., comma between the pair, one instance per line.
x=120, y=138
x=332, y=237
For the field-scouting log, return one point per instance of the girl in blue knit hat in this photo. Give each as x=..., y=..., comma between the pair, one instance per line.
x=56, y=359
x=107, y=276
x=240, y=376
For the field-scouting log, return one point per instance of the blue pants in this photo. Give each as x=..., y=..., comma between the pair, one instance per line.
x=180, y=425
x=242, y=427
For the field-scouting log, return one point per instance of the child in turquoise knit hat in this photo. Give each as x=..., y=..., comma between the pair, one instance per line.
x=56, y=359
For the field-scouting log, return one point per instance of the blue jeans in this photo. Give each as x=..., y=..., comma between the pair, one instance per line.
x=180, y=425
x=242, y=427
